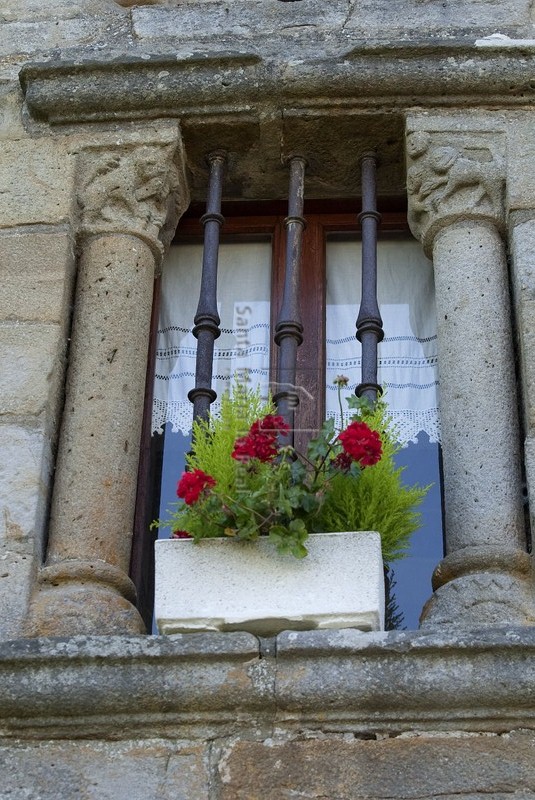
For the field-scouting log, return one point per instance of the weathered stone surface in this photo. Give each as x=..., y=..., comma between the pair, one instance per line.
x=25, y=468
x=520, y=155
x=408, y=767
x=133, y=770
x=95, y=486
x=10, y=111
x=210, y=685
x=24, y=473
x=134, y=190
x=484, y=16
x=35, y=11
x=18, y=565
x=483, y=503
x=455, y=171
x=237, y=79
x=31, y=367
x=245, y=18
x=37, y=270
x=32, y=27
x=37, y=169
x=523, y=280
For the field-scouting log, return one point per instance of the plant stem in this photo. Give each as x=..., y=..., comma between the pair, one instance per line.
x=339, y=388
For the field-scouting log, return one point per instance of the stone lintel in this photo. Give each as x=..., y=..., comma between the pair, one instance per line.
x=200, y=685
x=400, y=73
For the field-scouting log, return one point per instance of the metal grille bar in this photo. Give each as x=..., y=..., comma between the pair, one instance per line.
x=369, y=323
x=207, y=319
x=289, y=330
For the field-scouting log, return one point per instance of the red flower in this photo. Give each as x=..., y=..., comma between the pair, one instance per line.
x=261, y=441
x=362, y=444
x=192, y=484
x=270, y=424
x=181, y=535
x=343, y=462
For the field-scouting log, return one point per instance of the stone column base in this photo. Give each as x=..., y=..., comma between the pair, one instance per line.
x=482, y=585
x=83, y=598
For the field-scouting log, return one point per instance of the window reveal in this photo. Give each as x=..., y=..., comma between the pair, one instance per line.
x=251, y=265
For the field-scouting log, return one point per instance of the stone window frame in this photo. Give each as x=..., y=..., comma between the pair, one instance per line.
x=454, y=675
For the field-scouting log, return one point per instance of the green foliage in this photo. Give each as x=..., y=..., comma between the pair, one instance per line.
x=376, y=499
x=214, y=439
x=285, y=494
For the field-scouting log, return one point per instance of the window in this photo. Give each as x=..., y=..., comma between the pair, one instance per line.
x=251, y=269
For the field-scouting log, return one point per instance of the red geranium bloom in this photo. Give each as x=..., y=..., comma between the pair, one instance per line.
x=261, y=441
x=192, y=484
x=343, y=462
x=260, y=446
x=361, y=443
x=270, y=424
x=181, y=535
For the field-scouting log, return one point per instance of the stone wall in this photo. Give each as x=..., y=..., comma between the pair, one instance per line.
x=107, y=110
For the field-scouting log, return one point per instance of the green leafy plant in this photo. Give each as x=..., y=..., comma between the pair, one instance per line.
x=243, y=481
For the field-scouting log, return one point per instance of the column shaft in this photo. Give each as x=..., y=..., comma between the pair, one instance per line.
x=477, y=389
x=95, y=488
x=486, y=576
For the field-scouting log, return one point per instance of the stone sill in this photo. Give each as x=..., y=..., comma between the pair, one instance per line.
x=205, y=685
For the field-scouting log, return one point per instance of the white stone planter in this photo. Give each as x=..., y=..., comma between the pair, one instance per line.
x=225, y=585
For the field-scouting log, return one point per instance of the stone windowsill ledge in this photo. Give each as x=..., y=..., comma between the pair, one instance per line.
x=203, y=685
x=146, y=84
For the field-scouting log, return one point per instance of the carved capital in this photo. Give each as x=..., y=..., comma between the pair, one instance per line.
x=453, y=176
x=136, y=189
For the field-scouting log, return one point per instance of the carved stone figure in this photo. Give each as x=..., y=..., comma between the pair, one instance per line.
x=129, y=190
x=445, y=180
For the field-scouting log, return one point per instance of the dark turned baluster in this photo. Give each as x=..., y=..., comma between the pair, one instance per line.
x=206, y=319
x=369, y=322
x=289, y=330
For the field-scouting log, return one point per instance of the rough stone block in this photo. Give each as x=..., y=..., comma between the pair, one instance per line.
x=10, y=111
x=38, y=169
x=407, y=767
x=523, y=279
x=520, y=184
x=25, y=470
x=18, y=563
x=37, y=269
x=29, y=34
x=31, y=367
x=37, y=11
x=486, y=16
x=100, y=770
x=249, y=17
x=239, y=18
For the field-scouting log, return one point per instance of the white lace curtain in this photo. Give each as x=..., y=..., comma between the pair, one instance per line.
x=408, y=352
x=407, y=355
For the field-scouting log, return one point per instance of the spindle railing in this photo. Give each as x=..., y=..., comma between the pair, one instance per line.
x=207, y=321
x=289, y=329
x=369, y=323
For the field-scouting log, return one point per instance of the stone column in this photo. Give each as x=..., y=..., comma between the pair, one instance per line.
x=129, y=197
x=455, y=182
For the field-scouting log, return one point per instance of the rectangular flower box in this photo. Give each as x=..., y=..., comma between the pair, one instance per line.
x=227, y=585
